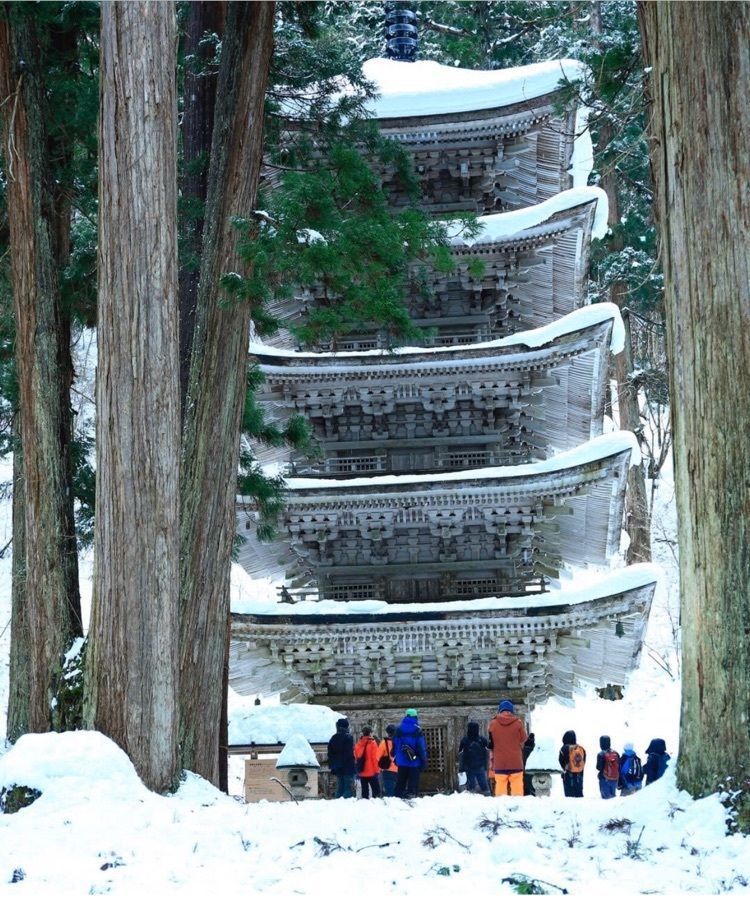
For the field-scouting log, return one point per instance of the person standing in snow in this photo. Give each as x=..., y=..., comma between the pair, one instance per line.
x=341, y=759
x=572, y=760
x=657, y=760
x=528, y=781
x=607, y=768
x=473, y=758
x=507, y=738
x=631, y=771
x=387, y=763
x=366, y=756
x=410, y=755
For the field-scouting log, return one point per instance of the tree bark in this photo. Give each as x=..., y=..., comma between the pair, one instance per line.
x=197, y=131
x=132, y=655
x=700, y=132
x=217, y=386
x=52, y=610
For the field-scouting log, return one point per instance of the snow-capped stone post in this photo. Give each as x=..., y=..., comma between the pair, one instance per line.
x=298, y=759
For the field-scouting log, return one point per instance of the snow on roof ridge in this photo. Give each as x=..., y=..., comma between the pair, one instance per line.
x=590, y=315
x=504, y=226
x=595, y=449
x=588, y=586
x=427, y=88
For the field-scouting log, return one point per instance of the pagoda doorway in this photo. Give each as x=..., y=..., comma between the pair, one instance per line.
x=438, y=775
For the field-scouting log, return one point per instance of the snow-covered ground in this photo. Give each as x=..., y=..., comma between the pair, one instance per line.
x=96, y=829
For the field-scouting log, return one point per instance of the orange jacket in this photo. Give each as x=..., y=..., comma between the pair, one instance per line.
x=367, y=746
x=386, y=748
x=507, y=735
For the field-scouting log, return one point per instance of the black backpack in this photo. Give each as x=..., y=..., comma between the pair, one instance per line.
x=385, y=761
x=632, y=771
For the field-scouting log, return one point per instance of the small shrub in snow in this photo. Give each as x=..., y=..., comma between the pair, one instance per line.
x=633, y=847
x=735, y=797
x=326, y=846
x=18, y=875
x=530, y=886
x=14, y=798
x=574, y=837
x=615, y=824
x=67, y=711
x=492, y=825
x=437, y=836
x=445, y=871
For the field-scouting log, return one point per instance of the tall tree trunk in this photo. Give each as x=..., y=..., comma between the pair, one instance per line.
x=53, y=612
x=197, y=131
x=19, y=671
x=132, y=655
x=700, y=82
x=218, y=380
x=637, y=514
x=64, y=46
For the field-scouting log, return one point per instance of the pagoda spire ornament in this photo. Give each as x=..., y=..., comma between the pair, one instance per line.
x=401, y=34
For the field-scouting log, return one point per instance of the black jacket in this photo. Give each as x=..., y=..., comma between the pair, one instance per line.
x=473, y=750
x=656, y=763
x=341, y=753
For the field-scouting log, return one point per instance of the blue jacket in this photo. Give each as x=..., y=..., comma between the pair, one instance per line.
x=409, y=734
x=629, y=761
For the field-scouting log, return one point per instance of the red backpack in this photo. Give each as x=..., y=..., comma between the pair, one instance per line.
x=611, y=767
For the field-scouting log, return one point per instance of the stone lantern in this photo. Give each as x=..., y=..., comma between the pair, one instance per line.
x=541, y=764
x=299, y=766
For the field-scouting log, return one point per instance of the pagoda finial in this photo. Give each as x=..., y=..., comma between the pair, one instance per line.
x=401, y=35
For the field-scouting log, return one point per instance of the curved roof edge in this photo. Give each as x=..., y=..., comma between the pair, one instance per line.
x=584, y=317
x=615, y=582
x=428, y=88
x=598, y=448
x=498, y=227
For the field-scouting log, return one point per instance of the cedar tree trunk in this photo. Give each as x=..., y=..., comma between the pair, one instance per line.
x=700, y=131
x=132, y=655
x=197, y=130
x=217, y=386
x=52, y=607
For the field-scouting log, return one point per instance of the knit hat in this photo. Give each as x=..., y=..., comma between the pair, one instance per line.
x=628, y=747
x=342, y=724
x=506, y=705
x=411, y=712
x=390, y=729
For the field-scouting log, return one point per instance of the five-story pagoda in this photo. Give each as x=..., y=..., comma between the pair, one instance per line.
x=452, y=542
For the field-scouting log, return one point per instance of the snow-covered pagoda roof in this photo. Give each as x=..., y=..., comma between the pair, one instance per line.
x=431, y=89
x=539, y=647
x=276, y=361
x=597, y=449
x=452, y=534
x=519, y=224
x=523, y=254
x=539, y=397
